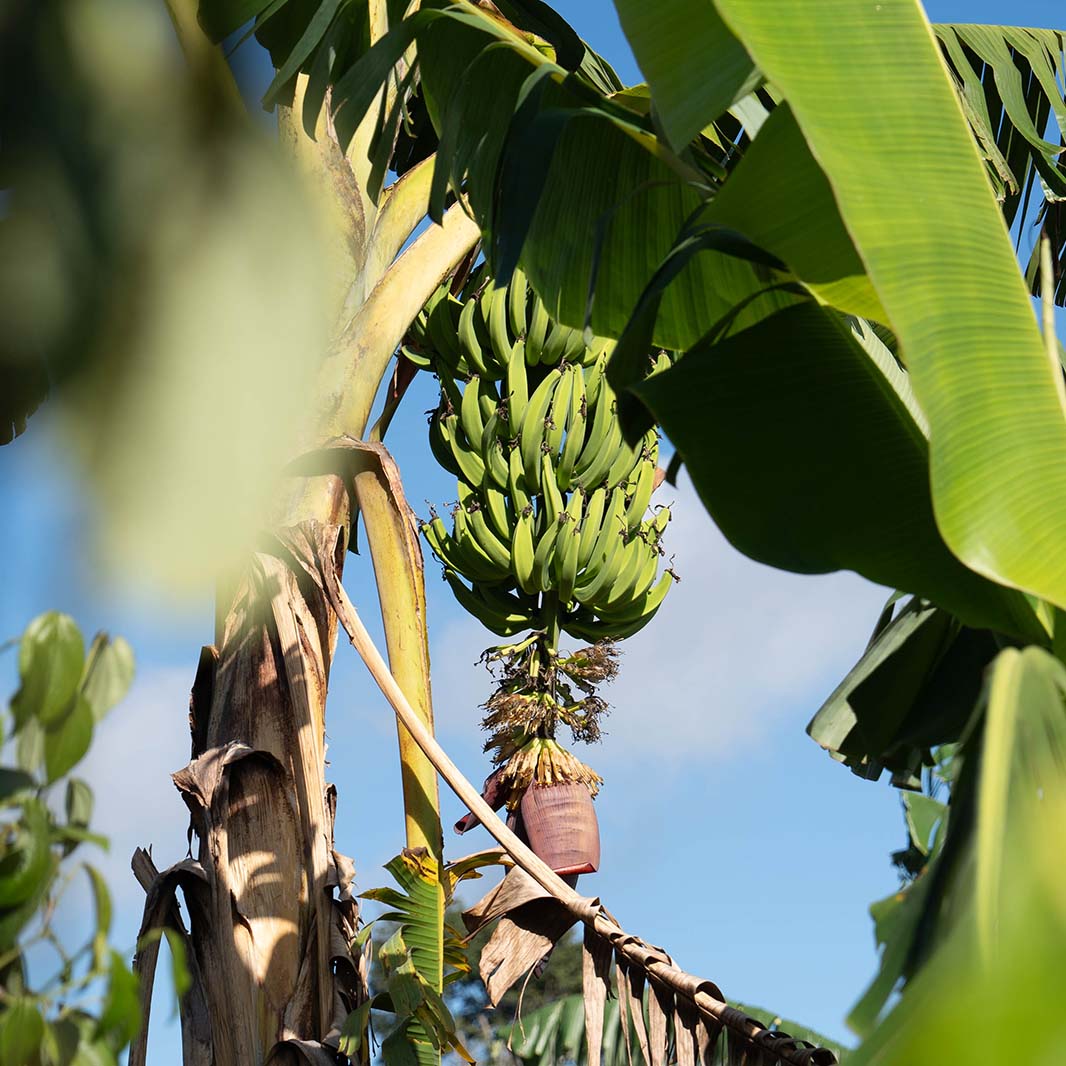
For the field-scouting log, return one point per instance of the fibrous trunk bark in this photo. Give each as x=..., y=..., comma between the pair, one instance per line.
x=267, y=930
x=272, y=917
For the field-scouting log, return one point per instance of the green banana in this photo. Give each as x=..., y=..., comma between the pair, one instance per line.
x=515, y=481
x=471, y=465
x=517, y=388
x=575, y=429
x=490, y=558
x=492, y=453
x=447, y=549
x=488, y=398
x=440, y=328
x=575, y=350
x=593, y=381
x=497, y=322
x=496, y=550
x=612, y=530
x=522, y=553
x=600, y=462
x=517, y=299
x=470, y=412
x=531, y=434
x=505, y=623
x=495, y=361
x=629, y=455
x=595, y=504
x=595, y=630
x=498, y=505
x=542, y=556
x=599, y=346
x=468, y=339
x=555, y=426
x=599, y=429
x=551, y=495
x=439, y=447
x=625, y=573
x=556, y=344
x=640, y=581
x=567, y=548
x=639, y=606
x=605, y=567
x=538, y=328
x=549, y=489
x=642, y=490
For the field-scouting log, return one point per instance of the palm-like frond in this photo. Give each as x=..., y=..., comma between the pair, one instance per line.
x=1012, y=85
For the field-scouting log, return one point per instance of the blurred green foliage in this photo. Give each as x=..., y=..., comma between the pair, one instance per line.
x=86, y=1010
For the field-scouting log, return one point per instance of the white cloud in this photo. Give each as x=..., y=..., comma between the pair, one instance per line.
x=735, y=647
x=135, y=750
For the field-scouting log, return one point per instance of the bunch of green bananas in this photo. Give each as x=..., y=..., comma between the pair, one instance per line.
x=552, y=529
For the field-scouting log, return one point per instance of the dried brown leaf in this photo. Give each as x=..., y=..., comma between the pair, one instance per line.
x=595, y=972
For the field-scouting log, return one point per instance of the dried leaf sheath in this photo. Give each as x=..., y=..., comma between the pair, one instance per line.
x=595, y=970
x=654, y=963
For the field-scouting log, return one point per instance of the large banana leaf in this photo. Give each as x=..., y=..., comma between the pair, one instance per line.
x=808, y=458
x=873, y=98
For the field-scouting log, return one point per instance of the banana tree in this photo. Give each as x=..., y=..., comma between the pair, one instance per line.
x=865, y=351
x=640, y=213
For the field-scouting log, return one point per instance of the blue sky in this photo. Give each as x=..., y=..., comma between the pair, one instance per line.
x=728, y=836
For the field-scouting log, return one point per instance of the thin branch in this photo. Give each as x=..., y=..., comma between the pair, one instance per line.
x=586, y=910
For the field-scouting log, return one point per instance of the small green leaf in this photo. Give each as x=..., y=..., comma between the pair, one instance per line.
x=102, y=903
x=353, y=1030
x=60, y=1043
x=79, y=803
x=66, y=742
x=179, y=965
x=51, y=656
x=120, y=1019
x=923, y=815
x=108, y=673
x=21, y=1032
x=12, y=782
x=25, y=855
x=29, y=746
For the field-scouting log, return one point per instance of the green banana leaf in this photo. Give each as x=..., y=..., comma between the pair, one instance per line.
x=1010, y=850
x=414, y=959
x=912, y=191
x=808, y=459
x=914, y=689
